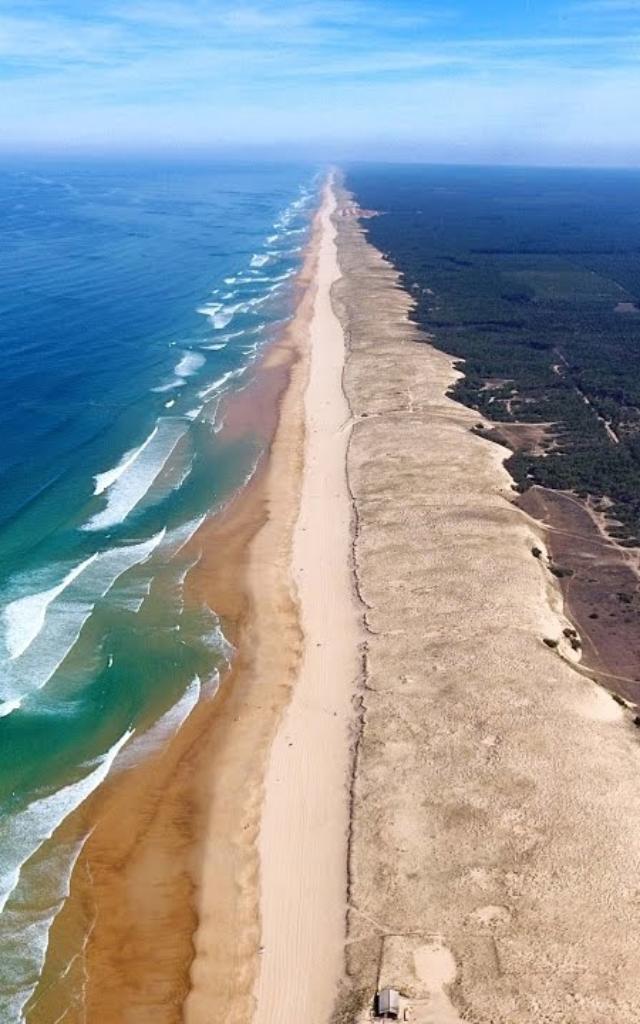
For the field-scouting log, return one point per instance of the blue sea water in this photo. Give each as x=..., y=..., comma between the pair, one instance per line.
x=132, y=296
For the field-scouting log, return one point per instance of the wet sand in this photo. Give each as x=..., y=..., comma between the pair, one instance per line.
x=163, y=919
x=495, y=837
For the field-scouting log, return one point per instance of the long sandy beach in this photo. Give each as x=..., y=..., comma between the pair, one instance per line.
x=399, y=782
x=303, y=839
x=216, y=871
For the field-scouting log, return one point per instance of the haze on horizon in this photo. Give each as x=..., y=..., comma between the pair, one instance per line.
x=523, y=81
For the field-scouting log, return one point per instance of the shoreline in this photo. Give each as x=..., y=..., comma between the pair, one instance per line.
x=163, y=900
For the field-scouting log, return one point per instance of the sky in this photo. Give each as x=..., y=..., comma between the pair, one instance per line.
x=524, y=81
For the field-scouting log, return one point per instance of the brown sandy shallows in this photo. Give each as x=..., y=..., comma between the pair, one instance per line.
x=495, y=838
x=163, y=920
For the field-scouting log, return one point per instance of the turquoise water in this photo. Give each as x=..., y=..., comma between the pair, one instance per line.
x=132, y=298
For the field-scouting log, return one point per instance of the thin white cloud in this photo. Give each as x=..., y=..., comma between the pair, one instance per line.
x=218, y=71
x=31, y=39
x=608, y=6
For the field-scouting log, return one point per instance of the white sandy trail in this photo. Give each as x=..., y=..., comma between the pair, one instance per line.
x=303, y=840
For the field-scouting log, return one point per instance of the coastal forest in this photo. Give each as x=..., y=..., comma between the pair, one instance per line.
x=531, y=278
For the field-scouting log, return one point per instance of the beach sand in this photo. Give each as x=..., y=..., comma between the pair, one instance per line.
x=495, y=837
x=165, y=922
x=303, y=838
x=163, y=913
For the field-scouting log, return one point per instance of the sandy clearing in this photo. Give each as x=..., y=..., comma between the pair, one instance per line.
x=303, y=840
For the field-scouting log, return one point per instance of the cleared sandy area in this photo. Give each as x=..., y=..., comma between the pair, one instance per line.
x=495, y=844
x=303, y=837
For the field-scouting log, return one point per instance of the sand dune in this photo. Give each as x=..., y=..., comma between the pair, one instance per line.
x=496, y=816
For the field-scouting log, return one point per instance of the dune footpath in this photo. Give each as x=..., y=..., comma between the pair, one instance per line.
x=495, y=833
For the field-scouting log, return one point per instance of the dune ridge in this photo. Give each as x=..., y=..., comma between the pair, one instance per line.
x=495, y=830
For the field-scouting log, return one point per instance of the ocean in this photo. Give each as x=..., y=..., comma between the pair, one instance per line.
x=133, y=296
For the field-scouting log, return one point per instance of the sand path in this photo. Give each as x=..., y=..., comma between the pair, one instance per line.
x=303, y=841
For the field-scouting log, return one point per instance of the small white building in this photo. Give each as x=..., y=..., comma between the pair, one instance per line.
x=388, y=1004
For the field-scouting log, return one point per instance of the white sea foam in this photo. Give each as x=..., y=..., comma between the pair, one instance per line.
x=109, y=477
x=131, y=596
x=64, y=621
x=216, y=348
x=216, y=638
x=217, y=384
x=8, y=706
x=25, y=929
x=21, y=836
x=259, y=260
x=259, y=300
x=164, y=728
x=221, y=315
x=23, y=833
x=212, y=407
x=24, y=617
x=193, y=413
x=220, y=382
x=189, y=364
x=177, y=538
x=129, y=490
x=210, y=308
x=177, y=382
x=222, y=319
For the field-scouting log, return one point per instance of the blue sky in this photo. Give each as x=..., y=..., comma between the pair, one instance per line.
x=525, y=80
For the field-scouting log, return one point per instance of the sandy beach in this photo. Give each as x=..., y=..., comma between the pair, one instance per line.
x=186, y=893
x=303, y=837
